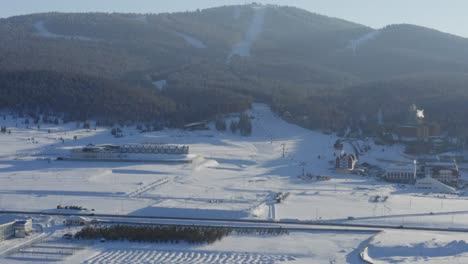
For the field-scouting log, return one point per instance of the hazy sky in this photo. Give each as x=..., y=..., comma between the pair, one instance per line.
x=445, y=15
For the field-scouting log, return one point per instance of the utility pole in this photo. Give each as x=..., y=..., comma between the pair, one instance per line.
x=303, y=163
x=284, y=149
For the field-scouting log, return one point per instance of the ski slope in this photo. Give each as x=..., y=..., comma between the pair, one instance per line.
x=196, y=43
x=355, y=44
x=43, y=31
x=243, y=48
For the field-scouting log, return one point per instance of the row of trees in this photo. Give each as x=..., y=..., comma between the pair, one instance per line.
x=155, y=234
x=243, y=125
x=170, y=234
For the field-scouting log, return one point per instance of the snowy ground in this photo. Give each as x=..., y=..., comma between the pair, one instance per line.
x=417, y=247
x=236, y=178
x=297, y=247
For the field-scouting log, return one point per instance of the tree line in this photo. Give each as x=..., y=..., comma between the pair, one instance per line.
x=169, y=234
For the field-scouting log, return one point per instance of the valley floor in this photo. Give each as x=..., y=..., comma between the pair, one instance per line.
x=234, y=178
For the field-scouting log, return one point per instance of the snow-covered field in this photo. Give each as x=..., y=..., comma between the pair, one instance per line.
x=297, y=247
x=237, y=177
x=419, y=247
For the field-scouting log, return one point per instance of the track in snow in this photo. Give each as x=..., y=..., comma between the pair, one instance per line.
x=148, y=187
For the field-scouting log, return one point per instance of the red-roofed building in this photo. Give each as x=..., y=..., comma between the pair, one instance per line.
x=345, y=163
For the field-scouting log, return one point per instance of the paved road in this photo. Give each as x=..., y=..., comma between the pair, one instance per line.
x=283, y=223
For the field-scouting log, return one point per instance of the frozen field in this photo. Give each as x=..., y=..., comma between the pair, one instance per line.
x=236, y=177
x=417, y=247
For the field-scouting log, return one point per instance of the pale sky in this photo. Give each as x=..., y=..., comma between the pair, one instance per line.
x=445, y=15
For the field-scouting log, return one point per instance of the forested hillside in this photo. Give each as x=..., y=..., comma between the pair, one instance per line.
x=320, y=72
x=79, y=97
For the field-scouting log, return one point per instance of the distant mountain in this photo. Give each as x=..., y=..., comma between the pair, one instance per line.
x=303, y=64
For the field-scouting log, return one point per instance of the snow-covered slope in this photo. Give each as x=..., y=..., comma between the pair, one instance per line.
x=256, y=27
x=41, y=30
x=196, y=43
x=355, y=44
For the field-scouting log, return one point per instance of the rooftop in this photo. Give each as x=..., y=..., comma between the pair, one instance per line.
x=441, y=164
x=5, y=219
x=408, y=167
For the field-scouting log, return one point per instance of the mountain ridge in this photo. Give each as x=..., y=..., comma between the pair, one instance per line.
x=285, y=56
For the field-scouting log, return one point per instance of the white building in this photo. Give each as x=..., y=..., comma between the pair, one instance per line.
x=136, y=152
x=11, y=227
x=433, y=185
x=23, y=228
x=75, y=220
x=445, y=172
x=7, y=227
x=401, y=174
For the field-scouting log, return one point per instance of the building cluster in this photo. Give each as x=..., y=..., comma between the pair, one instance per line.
x=417, y=128
x=421, y=132
x=11, y=227
x=441, y=177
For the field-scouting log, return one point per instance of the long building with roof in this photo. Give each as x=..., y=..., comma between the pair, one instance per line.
x=146, y=152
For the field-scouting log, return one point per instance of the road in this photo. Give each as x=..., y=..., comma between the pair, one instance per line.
x=231, y=222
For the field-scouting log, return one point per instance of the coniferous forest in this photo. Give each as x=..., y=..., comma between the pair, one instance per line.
x=102, y=66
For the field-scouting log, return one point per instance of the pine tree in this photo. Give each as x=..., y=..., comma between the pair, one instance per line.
x=245, y=125
x=234, y=126
x=220, y=124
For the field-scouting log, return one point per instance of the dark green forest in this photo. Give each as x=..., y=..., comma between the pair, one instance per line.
x=101, y=66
